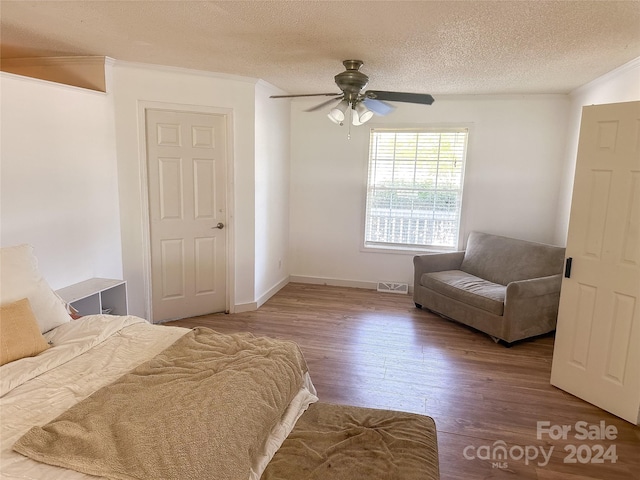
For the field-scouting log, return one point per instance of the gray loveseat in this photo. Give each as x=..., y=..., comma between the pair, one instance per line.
x=507, y=288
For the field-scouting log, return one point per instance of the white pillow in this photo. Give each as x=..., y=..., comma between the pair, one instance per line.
x=20, y=278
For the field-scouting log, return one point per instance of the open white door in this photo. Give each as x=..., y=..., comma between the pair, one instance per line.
x=186, y=158
x=597, y=347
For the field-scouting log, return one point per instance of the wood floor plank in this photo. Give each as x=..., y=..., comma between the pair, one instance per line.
x=377, y=350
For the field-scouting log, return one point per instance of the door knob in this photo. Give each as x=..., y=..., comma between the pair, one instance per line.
x=220, y=225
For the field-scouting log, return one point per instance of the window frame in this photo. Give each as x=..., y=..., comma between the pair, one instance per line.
x=413, y=249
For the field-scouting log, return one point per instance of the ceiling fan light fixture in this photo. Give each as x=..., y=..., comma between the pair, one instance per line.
x=333, y=119
x=336, y=115
x=361, y=104
x=361, y=114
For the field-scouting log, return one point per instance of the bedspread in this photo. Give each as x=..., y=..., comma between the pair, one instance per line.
x=88, y=354
x=202, y=408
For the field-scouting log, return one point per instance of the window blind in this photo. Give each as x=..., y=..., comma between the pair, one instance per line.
x=414, y=187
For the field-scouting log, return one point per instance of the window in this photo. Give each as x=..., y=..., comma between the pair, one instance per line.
x=414, y=188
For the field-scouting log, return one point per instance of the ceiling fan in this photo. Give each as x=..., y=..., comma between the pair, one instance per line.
x=360, y=104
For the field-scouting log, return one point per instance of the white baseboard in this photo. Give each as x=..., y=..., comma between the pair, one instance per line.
x=248, y=307
x=272, y=291
x=245, y=307
x=335, y=282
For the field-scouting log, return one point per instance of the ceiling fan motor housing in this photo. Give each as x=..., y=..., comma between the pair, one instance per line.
x=351, y=81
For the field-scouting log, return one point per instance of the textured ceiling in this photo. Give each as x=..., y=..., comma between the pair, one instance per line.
x=438, y=47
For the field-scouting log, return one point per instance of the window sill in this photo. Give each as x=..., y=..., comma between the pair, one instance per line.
x=408, y=250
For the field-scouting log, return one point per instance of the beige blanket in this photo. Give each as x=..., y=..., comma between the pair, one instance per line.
x=201, y=409
x=338, y=442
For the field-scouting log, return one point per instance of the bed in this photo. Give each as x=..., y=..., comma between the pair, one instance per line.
x=117, y=397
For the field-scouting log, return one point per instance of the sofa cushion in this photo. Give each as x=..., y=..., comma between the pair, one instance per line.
x=467, y=288
x=503, y=260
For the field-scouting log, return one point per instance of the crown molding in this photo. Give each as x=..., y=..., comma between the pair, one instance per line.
x=607, y=77
x=53, y=61
x=185, y=71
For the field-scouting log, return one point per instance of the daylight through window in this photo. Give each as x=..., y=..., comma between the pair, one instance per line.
x=414, y=191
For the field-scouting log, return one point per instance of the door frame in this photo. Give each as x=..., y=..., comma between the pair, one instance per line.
x=227, y=113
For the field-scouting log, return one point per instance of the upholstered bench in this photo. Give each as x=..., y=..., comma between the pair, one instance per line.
x=337, y=442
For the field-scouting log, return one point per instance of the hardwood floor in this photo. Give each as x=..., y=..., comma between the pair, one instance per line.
x=377, y=350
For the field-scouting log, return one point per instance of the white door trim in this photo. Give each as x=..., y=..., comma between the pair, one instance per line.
x=143, y=106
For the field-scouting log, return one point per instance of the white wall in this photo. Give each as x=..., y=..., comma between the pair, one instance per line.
x=271, y=192
x=172, y=87
x=60, y=191
x=512, y=180
x=59, y=186
x=619, y=85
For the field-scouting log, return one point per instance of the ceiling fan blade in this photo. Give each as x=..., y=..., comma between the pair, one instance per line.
x=324, y=104
x=423, y=98
x=307, y=95
x=378, y=107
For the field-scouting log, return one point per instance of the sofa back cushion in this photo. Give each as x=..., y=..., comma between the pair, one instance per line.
x=504, y=260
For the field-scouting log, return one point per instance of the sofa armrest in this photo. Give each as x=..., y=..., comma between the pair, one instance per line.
x=534, y=287
x=531, y=307
x=435, y=262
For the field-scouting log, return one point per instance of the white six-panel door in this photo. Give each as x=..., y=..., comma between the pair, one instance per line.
x=597, y=347
x=186, y=169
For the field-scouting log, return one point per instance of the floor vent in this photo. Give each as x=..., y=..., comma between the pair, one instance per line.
x=393, y=287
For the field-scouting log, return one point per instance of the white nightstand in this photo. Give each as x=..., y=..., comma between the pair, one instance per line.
x=97, y=295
